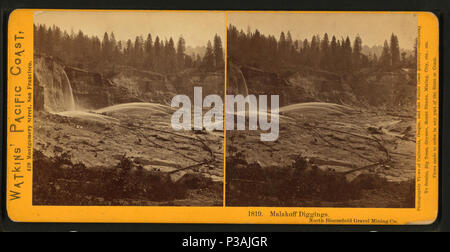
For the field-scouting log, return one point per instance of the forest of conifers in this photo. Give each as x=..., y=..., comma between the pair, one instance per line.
x=151, y=53
x=248, y=48
x=332, y=54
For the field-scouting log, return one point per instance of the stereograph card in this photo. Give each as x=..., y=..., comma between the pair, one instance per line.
x=268, y=117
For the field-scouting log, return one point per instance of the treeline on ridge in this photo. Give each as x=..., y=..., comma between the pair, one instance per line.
x=152, y=54
x=332, y=54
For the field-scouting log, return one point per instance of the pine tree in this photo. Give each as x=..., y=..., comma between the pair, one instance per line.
x=218, y=52
x=138, y=52
x=57, y=39
x=282, y=47
x=395, y=51
x=306, y=53
x=81, y=48
x=49, y=42
x=181, y=49
x=39, y=39
x=128, y=52
x=208, y=59
x=386, y=57
x=333, y=54
x=163, y=59
x=171, y=55
x=357, y=56
x=96, y=50
x=149, y=57
x=347, y=52
x=315, y=51
x=325, y=53
x=115, y=53
x=289, y=47
x=106, y=47
x=157, y=55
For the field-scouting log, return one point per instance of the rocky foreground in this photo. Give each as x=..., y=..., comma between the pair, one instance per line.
x=326, y=155
x=125, y=154
x=106, y=139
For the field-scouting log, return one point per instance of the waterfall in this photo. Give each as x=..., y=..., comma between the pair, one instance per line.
x=70, y=101
x=237, y=85
x=242, y=84
x=58, y=93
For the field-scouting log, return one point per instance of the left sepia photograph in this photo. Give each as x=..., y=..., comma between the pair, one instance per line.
x=104, y=83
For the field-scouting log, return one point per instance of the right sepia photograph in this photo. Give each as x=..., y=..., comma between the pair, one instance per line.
x=340, y=93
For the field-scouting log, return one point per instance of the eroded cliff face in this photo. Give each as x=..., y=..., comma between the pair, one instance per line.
x=320, y=86
x=298, y=87
x=393, y=90
x=145, y=85
x=92, y=90
x=210, y=82
x=260, y=82
x=367, y=88
x=63, y=88
x=53, y=90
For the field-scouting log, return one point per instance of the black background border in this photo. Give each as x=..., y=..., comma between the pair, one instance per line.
x=441, y=8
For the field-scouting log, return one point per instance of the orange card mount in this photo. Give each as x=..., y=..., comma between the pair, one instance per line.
x=223, y=117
